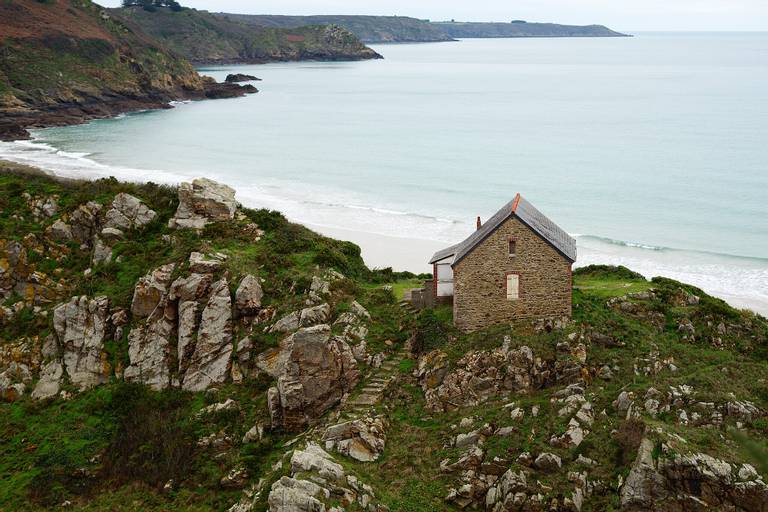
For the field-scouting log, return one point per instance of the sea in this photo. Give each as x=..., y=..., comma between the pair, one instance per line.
x=652, y=151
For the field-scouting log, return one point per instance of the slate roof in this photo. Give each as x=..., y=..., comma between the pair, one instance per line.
x=529, y=215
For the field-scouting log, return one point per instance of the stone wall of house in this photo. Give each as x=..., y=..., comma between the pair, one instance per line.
x=480, y=280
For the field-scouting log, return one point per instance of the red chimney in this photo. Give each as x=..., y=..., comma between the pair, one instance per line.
x=479, y=224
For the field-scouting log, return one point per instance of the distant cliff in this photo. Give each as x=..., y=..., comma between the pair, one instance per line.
x=522, y=29
x=401, y=29
x=204, y=38
x=67, y=61
x=370, y=29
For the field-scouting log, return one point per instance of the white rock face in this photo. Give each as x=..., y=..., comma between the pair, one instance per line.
x=149, y=344
x=148, y=349
x=315, y=459
x=315, y=315
x=316, y=479
x=81, y=328
x=210, y=361
x=248, y=296
x=128, y=212
x=292, y=495
x=670, y=481
x=288, y=323
x=49, y=384
x=102, y=253
x=362, y=439
x=206, y=263
x=201, y=202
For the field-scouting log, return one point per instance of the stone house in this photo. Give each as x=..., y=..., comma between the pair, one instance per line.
x=515, y=266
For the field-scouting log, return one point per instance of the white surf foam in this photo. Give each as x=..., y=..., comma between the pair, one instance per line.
x=741, y=281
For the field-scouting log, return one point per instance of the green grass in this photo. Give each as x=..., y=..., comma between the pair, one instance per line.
x=400, y=287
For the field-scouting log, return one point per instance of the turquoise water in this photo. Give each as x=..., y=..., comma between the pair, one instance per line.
x=652, y=149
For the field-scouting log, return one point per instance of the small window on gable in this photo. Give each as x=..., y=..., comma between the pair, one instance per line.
x=513, y=286
x=512, y=247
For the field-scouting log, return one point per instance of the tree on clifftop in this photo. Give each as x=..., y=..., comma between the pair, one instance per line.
x=152, y=5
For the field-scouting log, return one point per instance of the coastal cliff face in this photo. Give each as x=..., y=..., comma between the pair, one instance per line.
x=523, y=29
x=402, y=29
x=370, y=29
x=168, y=349
x=204, y=38
x=64, y=61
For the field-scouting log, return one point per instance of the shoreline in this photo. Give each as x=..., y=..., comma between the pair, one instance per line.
x=15, y=126
x=376, y=251
x=412, y=254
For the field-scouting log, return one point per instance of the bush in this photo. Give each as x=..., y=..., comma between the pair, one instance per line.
x=268, y=220
x=152, y=443
x=608, y=272
x=432, y=331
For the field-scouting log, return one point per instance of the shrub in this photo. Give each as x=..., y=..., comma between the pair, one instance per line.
x=152, y=443
x=608, y=272
x=432, y=331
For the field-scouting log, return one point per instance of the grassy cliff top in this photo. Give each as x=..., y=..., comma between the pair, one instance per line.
x=72, y=50
x=370, y=29
x=206, y=38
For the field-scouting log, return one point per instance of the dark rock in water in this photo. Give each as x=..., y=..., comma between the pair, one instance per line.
x=216, y=91
x=239, y=77
x=11, y=131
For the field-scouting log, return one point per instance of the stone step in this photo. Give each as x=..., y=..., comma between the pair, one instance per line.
x=365, y=400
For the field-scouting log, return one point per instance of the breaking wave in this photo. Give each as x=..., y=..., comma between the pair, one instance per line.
x=743, y=281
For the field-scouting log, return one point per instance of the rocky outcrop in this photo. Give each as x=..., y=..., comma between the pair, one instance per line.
x=210, y=361
x=361, y=439
x=189, y=323
x=150, y=290
x=676, y=482
x=201, y=202
x=480, y=375
x=128, y=212
x=248, y=296
x=81, y=327
x=319, y=370
x=315, y=481
x=14, y=381
x=149, y=344
x=92, y=228
x=19, y=274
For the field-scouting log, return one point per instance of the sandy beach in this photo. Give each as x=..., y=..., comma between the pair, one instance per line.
x=380, y=251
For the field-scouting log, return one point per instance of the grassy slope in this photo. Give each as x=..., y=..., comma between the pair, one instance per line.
x=93, y=451
x=416, y=443
x=66, y=51
x=205, y=38
x=47, y=451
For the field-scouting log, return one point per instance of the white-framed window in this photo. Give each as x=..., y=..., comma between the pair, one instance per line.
x=513, y=286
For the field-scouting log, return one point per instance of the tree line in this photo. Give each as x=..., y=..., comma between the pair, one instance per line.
x=152, y=5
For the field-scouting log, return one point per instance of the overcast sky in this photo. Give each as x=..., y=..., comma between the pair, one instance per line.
x=618, y=14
